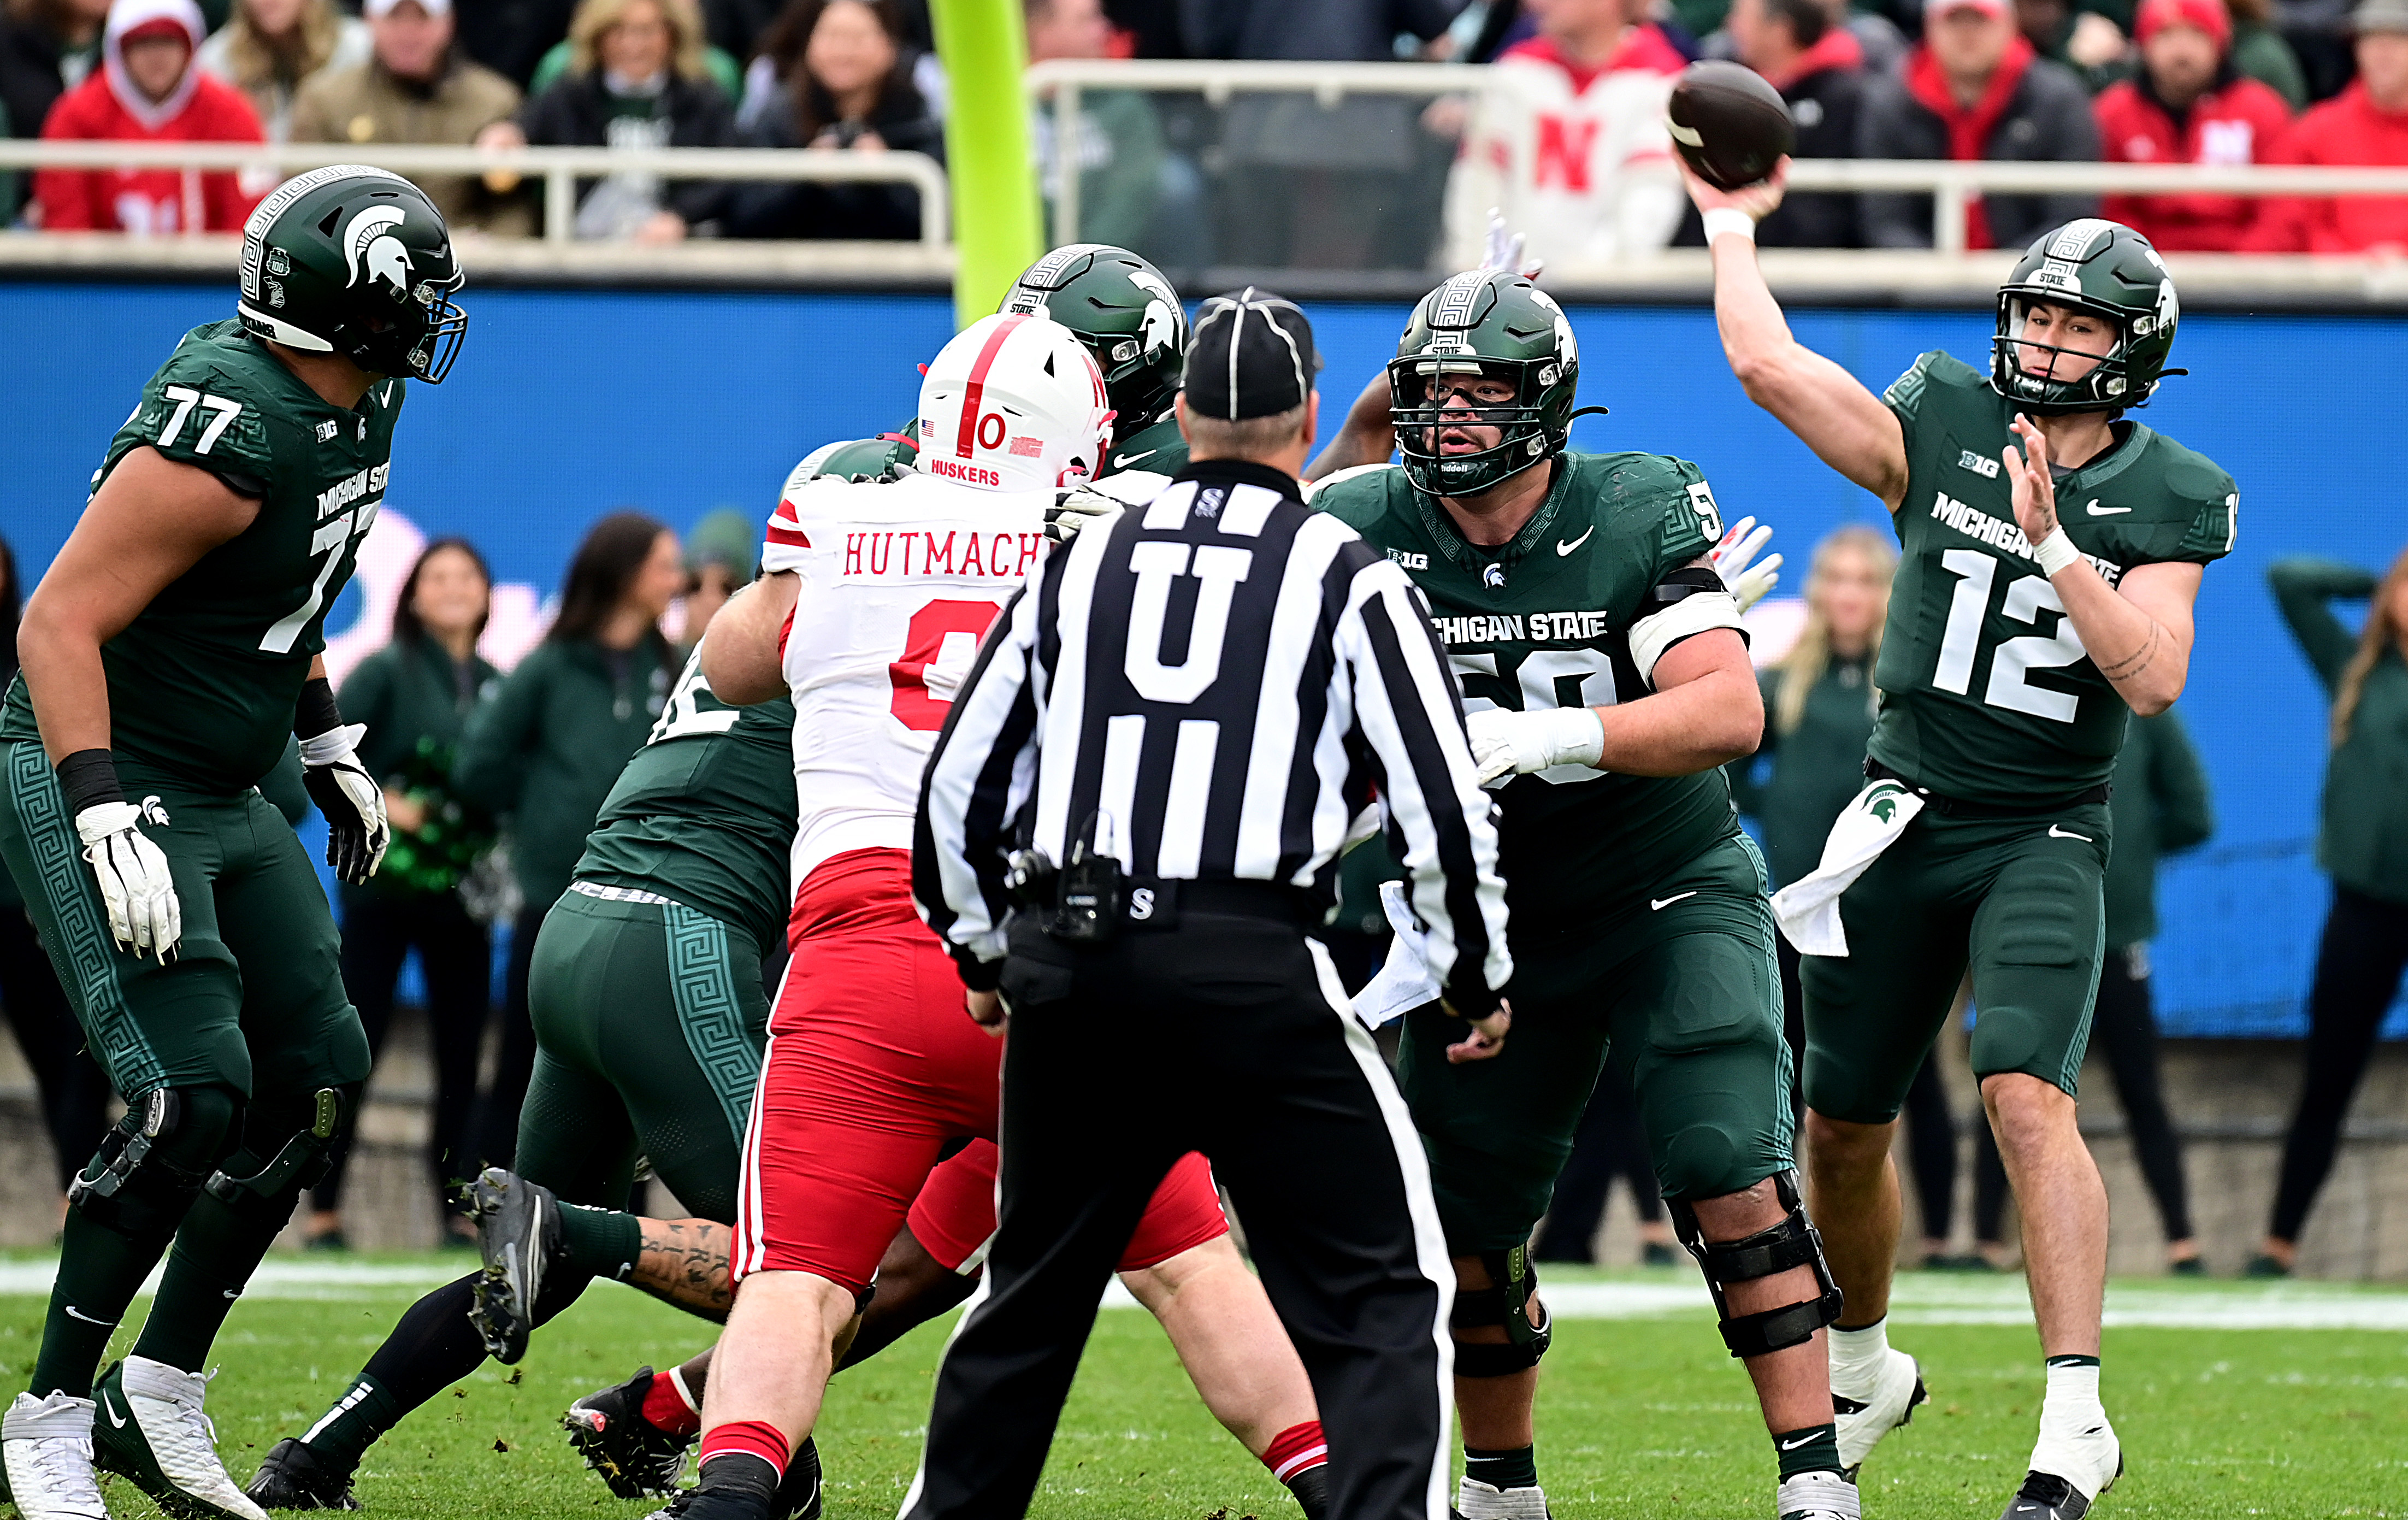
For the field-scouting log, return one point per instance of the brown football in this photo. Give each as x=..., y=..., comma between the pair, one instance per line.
x=1728, y=122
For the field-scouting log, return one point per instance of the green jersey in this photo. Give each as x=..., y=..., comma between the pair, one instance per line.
x=1987, y=692
x=705, y=811
x=202, y=683
x=1547, y=621
x=1158, y=448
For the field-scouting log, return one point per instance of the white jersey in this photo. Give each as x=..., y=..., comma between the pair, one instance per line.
x=1577, y=160
x=899, y=580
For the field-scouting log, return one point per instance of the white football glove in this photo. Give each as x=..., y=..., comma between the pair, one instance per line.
x=136, y=885
x=353, y=803
x=1508, y=745
x=1504, y=250
x=1731, y=556
x=1074, y=508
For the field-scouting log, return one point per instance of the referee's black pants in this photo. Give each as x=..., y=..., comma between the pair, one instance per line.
x=1224, y=1035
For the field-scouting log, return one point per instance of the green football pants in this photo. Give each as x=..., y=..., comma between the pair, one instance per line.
x=2018, y=899
x=1683, y=979
x=648, y=1024
x=252, y=998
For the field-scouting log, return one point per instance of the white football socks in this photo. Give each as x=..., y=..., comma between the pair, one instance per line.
x=1857, y=1357
x=2076, y=1442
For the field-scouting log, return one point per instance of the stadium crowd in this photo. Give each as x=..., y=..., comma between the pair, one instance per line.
x=1566, y=135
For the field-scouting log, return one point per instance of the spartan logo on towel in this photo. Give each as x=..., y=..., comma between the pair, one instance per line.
x=370, y=249
x=1882, y=802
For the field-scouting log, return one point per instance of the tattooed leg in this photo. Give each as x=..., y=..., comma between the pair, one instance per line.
x=684, y=1262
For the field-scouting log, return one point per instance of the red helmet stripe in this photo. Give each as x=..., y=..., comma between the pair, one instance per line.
x=975, y=394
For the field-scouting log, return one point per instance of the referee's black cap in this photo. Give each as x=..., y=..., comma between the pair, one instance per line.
x=1252, y=356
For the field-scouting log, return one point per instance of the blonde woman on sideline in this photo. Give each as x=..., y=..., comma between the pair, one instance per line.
x=637, y=78
x=1818, y=713
x=266, y=47
x=2363, y=846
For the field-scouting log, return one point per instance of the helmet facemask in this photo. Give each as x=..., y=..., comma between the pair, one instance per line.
x=1423, y=404
x=2111, y=384
x=432, y=337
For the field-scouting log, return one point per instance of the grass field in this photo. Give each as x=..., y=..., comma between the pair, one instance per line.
x=1639, y=1415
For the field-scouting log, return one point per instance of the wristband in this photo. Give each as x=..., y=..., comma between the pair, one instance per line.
x=1575, y=736
x=88, y=779
x=1470, y=999
x=2055, y=552
x=315, y=712
x=1730, y=219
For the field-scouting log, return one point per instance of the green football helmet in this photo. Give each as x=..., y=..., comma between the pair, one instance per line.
x=2105, y=268
x=1496, y=324
x=354, y=261
x=1125, y=312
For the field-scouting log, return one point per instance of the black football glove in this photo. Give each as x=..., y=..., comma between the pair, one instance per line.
x=353, y=803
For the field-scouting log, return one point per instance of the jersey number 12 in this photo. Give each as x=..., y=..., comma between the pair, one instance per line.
x=2028, y=597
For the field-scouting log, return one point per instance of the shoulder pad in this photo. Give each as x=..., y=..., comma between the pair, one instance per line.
x=2199, y=483
x=200, y=409
x=1356, y=494
x=1905, y=393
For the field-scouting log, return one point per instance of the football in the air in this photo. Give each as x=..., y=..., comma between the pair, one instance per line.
x=1728, y=122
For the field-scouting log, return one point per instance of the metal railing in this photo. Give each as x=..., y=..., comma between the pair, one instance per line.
x=558, y=168
x=1058, y=86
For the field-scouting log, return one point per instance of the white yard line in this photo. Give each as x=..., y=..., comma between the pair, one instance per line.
x=1919, y=1299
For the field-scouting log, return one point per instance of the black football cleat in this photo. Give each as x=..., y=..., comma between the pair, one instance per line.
x=293, y=1477
x=2044, y=1496
x=635, y=1457
x=800, y=1495
x=737, y=1486
x=518, y=1233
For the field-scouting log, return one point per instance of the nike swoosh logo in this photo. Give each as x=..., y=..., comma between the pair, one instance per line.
x=1793, y=1445
x=1125, y=461
x=1563, y=548
x=2056, y=833
x=386, y=399
x=115, y=1420
x=2096, y=510
x=1658, y=905
x=73, y=1312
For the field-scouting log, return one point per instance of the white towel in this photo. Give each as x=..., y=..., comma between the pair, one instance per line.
x=1808, y=909
x=1404, y=982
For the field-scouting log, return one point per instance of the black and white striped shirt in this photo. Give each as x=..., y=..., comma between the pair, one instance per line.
x=1211, y=687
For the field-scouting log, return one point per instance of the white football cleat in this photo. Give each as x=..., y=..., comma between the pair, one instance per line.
x=1477, y=1501
x=1862, y=1423
x=152, y=1430
x=1817, y=1495
x=2070, y=1469
x=47, y=1444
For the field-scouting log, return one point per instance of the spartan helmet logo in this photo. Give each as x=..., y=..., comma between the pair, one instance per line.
x=370, y=248
x=1163, y=317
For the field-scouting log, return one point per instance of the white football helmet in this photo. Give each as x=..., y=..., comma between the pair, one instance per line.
x=1013, y=403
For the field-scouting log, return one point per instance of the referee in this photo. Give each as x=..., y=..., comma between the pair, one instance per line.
x=1174, y=723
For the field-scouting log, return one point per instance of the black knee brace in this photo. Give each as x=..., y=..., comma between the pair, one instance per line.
x=1512, y=1277
x=1793, y=1243
x=300, y=1161
x=150, y=1165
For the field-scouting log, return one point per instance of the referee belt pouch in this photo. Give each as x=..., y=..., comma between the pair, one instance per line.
x=1092, y=901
